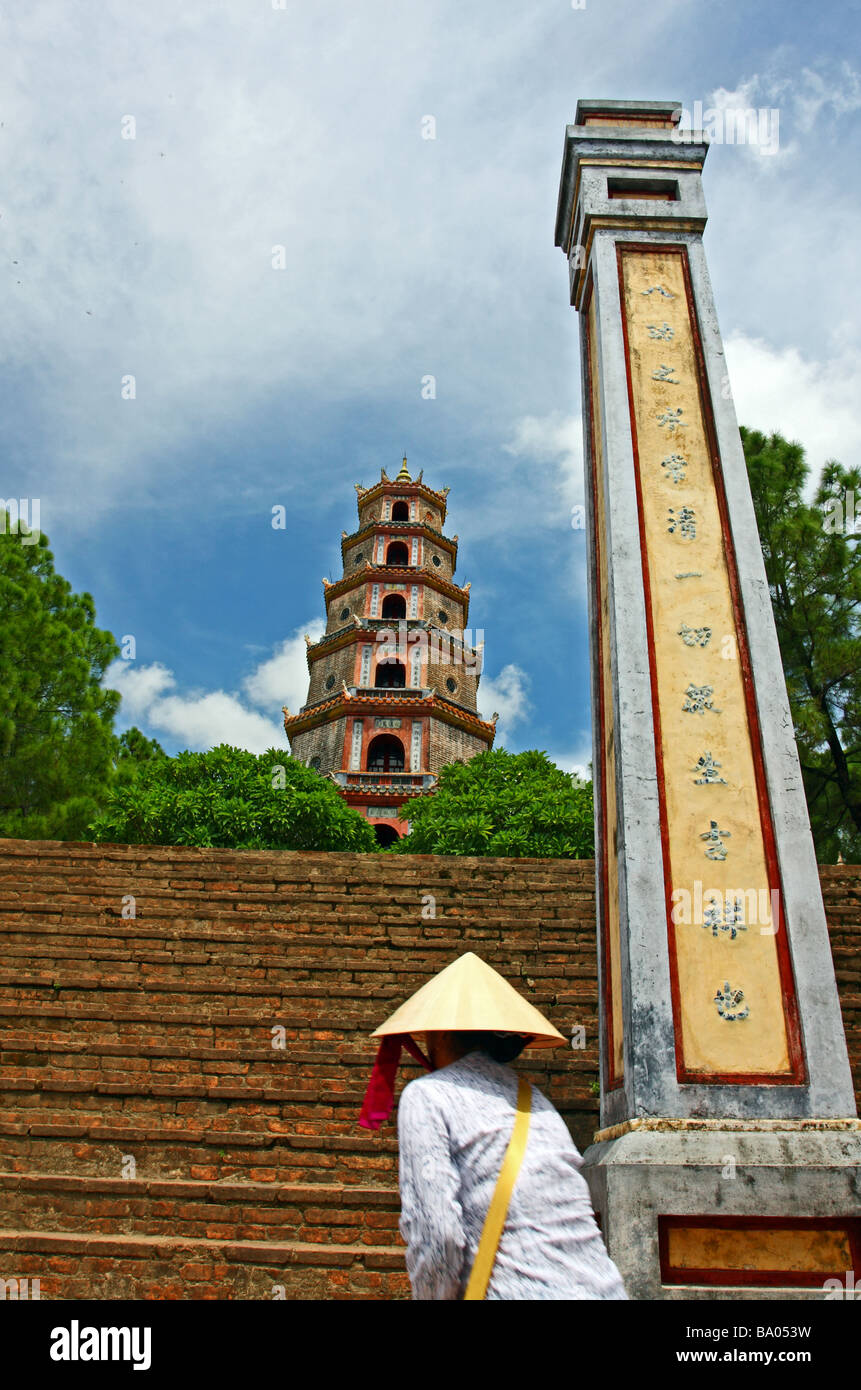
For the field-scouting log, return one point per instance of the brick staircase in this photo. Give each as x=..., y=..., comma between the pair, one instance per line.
x=156, y=1141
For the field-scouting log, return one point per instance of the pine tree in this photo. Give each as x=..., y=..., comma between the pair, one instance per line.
x=56, y=720
x=813, y=565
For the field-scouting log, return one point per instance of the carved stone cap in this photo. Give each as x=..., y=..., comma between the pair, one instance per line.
x=651, y=115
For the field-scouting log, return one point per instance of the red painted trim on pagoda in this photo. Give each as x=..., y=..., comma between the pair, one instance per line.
x=370, y=733
x=797, y=1075
x=766, y=1278
x=396, y=574
x=368, y=636
x=414, y=489
x=373, y=796
x=342, y=706
x=374, y=529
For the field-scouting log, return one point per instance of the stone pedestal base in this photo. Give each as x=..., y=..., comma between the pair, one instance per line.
x=730, y=1208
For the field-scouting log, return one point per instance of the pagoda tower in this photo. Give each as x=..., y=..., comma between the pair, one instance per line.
x=394, y=678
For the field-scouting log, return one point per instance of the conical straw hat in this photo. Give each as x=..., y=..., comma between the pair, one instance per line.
x=469, y=996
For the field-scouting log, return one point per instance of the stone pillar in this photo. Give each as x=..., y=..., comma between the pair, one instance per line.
x=728, y=1159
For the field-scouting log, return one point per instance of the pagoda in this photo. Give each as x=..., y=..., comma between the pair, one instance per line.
x=393, y=681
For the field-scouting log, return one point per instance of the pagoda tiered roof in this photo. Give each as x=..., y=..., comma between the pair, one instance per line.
x=371, y=699
x=410, y=527
x=359, y=629
x=397, y=574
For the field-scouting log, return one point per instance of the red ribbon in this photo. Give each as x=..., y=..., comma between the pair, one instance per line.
x=380, y=1095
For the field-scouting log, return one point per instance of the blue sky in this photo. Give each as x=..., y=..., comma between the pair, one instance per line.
x=301, y=127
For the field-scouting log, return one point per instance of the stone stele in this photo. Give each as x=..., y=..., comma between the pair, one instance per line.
x=727, y=1164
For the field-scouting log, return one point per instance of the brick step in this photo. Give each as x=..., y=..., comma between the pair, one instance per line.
x=287, y=1093
x=54, y=1053
x=34, y=1026
x=280, y=866
x=101, y=904
x=231, y=1126
x=26, y=985
x=310, y=1214
x=341, y=1011
x=40, y=958
x=33, y=1112
x=333, y=1067
x=48, y=1009
x=44, y=1013
x=20, y=1050
x=37, y=1044
x=167, y=1154
x=296, y=1067
x=143, y=1098
x=364, y=1004
x=366, y=991
x=89, y=1266
x=301, y=923
x=341, y=916
x=281, y=1093
x=146, y=1101
x=372, y=980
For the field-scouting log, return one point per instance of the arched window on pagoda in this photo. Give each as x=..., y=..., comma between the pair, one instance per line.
x=386, y=835
x=394, y=606
x=385, y=754
x=397, y=554
x=400, y=512
x=391, y=675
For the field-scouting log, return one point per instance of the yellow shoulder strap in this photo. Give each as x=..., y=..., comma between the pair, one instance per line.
x=494, y=1222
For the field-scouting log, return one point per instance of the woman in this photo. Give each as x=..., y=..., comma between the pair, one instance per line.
x=459, y=1125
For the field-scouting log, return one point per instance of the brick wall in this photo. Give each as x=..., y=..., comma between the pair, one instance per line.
x=462, y=672
x=339, y=662
x=154, y=1143
x=449, y=744
x=324, y=741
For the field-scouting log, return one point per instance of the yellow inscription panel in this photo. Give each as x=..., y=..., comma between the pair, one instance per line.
x=729, y=1007
x=794, y=1249
x=611, y=904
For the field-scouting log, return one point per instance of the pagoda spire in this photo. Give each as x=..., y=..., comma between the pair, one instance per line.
x=404, y=476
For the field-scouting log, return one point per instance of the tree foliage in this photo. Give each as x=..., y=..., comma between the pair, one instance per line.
x=133, y=747
x=813, y=566
x=231, y=799
x=56, y=720
x=507, y=804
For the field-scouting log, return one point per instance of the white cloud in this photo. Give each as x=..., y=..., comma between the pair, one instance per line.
x=786, y=106
x=812, y=402
x=773, y=388
x=840, y=90
x=202, y=719
x=575, y=760
x=506, y=696
x=283, y=678
x=140, y=686
x=254, y=129
x=556, y=438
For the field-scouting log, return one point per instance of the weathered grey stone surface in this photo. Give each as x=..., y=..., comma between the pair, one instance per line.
x=650, y=1086
x=647, y=1173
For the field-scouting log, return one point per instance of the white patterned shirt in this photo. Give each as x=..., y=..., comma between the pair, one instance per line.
x=453, y=1129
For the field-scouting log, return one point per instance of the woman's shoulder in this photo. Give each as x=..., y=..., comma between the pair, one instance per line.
x=422, y=1093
